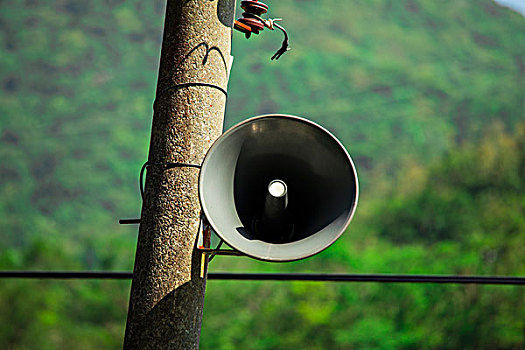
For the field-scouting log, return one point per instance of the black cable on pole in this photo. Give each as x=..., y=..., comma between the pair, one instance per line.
x=306, y=277
x=183, y=85
x=167, y=165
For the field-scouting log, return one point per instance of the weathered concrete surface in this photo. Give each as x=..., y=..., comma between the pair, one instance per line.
x=167, y=293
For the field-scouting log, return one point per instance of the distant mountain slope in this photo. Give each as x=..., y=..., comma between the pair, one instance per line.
x=402, y=83
x=392, y=79
x=397, y=82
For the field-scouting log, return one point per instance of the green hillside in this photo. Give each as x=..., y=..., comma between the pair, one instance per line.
x=427, y=96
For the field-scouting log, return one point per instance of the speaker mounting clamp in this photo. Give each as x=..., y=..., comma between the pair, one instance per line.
x=204, y=246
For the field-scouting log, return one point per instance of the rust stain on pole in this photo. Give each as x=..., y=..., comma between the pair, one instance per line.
x=167, y=293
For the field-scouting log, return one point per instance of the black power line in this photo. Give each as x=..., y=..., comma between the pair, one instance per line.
x=308, y=277
x=381, y=278
x=108, y=275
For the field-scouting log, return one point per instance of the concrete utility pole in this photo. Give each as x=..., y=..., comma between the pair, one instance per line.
x=167, y=292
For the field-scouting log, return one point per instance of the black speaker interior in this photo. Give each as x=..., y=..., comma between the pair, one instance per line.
x=320, y=177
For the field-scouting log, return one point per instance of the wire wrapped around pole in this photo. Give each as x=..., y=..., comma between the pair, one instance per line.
x=166, y=165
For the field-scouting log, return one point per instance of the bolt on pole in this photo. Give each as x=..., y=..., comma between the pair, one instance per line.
x=167, y=292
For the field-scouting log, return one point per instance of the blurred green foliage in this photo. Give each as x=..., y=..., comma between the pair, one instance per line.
x=427, y=96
